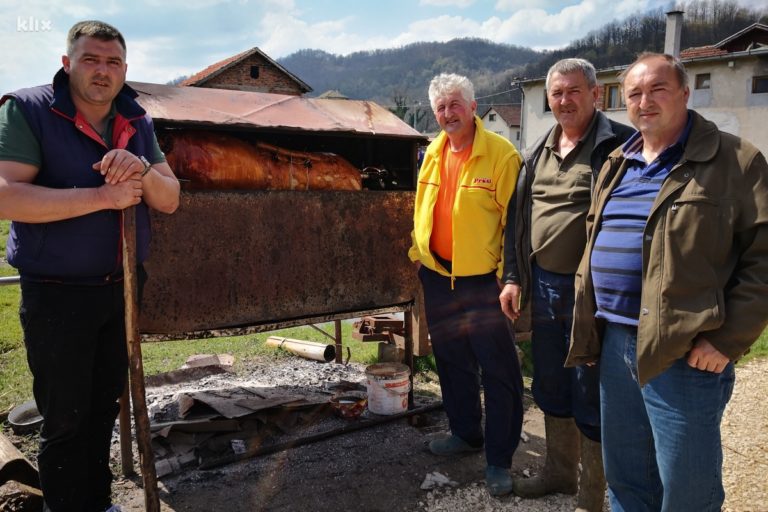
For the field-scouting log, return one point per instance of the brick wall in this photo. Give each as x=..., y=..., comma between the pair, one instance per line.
x=600, y=97
x=271, y=79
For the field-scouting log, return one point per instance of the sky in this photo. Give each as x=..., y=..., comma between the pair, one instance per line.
x=167, y=39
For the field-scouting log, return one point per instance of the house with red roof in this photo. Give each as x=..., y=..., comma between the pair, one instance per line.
x=504, y=120
x=251, y=70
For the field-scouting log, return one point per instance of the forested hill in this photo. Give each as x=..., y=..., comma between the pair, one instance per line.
x=405, y=72
x=705, y=22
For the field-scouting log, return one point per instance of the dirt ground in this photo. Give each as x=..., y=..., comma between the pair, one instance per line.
x=382, y=468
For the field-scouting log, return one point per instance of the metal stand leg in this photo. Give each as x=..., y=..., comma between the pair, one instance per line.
x=408, y=327
x=337, y=337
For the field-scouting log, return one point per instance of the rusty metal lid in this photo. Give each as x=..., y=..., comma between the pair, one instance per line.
x=243, y=109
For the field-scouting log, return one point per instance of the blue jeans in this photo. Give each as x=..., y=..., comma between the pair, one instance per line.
x=559, y=391
x=472, y=341
x=661, y=442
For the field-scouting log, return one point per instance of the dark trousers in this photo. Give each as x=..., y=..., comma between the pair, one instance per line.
x=75, y=340
x=472, y=342
x=559, y=391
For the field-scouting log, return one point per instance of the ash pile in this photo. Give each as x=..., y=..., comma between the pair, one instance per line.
x=221, y=417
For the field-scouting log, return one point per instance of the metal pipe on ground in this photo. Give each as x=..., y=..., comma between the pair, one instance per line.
x=10, y=280
x=306, y=349
x=257, y=449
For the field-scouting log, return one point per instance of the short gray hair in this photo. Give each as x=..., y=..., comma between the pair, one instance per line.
x=677, y=66
x=447, y=83
x=92, y=28
x=567, y=66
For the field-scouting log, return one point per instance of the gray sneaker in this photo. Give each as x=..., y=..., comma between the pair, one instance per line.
x=498, y=481
x=452, y=445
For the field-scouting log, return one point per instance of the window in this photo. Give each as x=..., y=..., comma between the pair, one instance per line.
x=254, y=71
x=517, y=135
x=491, y=117
x=703, y=81
x=760, y=84
x=546, y=103
x=612, y=98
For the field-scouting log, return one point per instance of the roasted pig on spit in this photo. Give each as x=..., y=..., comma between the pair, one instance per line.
x=212, y=160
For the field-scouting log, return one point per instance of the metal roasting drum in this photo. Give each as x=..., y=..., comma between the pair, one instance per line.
x=236, y=261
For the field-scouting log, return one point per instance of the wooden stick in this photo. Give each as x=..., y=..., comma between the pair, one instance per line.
x=14, y=466
x=126, y=450
x=135, y=365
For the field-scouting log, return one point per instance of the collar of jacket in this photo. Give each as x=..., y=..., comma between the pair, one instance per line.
x=125, y=101
x=604, y=130
x=703, y=141
x=479, y=143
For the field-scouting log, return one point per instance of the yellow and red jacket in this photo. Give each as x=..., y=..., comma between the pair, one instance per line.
x=486, y=184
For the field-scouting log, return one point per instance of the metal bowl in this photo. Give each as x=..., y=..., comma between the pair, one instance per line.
x=25, y=418
x=349, y=405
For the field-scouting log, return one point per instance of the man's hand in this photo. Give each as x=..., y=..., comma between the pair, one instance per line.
x=121, y=195
x=510, y=301
x=119, y=165
x=706, y=357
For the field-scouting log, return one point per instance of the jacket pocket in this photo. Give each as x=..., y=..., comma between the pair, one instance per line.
x=480, y=197
x=699, y=230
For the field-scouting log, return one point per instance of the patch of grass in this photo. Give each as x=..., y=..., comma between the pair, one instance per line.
x=10, y=330
x=424, y=364
x=758, y=350
x=15, y=379
x=5, y=226
x=526, y=361
x=168, y=355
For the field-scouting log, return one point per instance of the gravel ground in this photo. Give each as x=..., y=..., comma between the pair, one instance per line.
x=745, y=458
x=745, y=441
x=382, y=468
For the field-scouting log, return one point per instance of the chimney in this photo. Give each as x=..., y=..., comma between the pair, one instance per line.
x=674, y=28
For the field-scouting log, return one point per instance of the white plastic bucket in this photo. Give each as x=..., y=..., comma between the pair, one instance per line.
x=388, y=387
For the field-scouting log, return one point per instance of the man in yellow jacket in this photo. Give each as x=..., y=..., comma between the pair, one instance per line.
x=465, y=183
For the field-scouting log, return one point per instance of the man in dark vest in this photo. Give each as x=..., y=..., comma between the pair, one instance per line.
x=545, y=239
x=73, y=156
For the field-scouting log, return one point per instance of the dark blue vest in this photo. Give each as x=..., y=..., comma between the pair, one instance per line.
x=86, y=249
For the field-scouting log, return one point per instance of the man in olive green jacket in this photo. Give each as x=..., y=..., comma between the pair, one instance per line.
x=671, y=291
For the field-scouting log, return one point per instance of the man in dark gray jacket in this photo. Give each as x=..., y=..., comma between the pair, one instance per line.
x=545, y=238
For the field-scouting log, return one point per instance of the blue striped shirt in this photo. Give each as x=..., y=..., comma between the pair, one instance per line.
x=617, y=257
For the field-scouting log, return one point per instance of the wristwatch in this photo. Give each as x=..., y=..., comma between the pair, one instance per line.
x=147, y=165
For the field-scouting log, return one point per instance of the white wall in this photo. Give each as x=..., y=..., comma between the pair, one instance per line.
x=729, y=102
